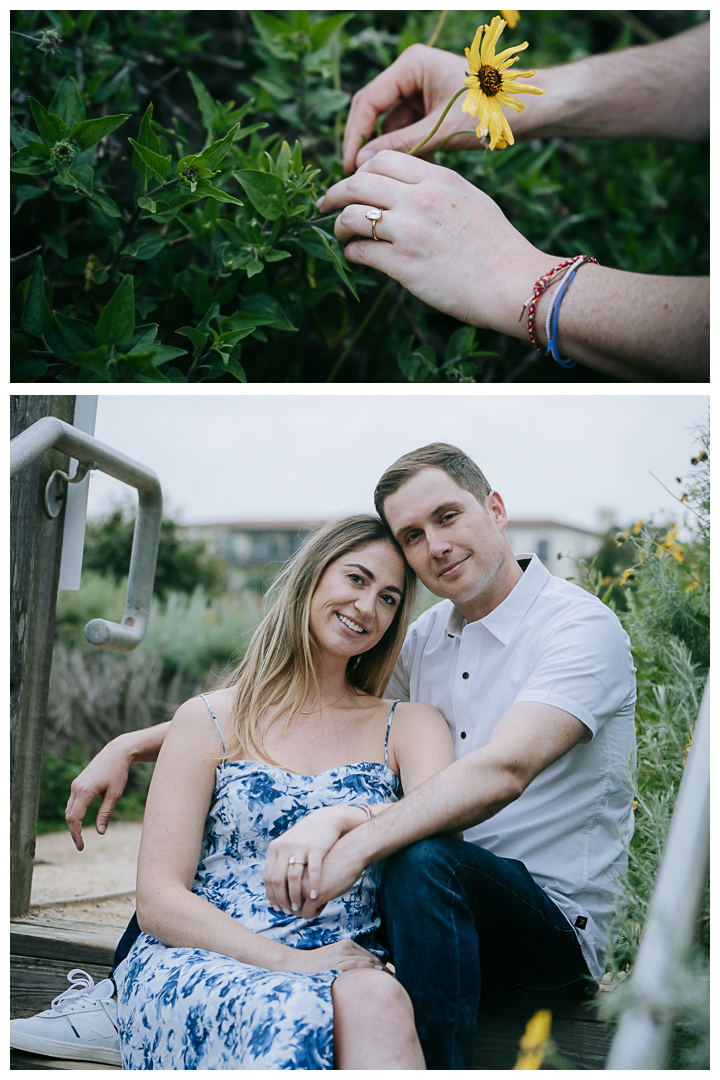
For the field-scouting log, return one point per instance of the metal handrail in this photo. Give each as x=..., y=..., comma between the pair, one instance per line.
x=642, y=1040
x=51, y=433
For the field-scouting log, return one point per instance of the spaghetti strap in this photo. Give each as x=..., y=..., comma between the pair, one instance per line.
x=210, y=709
x=387, y=733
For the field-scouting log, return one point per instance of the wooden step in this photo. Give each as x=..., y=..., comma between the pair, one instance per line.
x=46, y=945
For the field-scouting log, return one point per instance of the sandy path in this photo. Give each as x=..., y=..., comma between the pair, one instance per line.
x=107, y=864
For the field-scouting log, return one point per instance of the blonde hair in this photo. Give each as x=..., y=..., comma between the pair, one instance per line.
x=280, y=664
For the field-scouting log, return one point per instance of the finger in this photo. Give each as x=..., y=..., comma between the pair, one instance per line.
x=353, y=221
x=106, y=811
x=403, y=79
x=74, y=818
x=403, y=139
x=377, y=256
x=365, y=188
x=294, y=886
x=312, y=877
x=270, y=862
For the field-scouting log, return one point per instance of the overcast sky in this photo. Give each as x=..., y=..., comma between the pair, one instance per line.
x=248, y=456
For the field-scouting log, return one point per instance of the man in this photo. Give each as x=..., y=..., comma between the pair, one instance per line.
x=535, y=679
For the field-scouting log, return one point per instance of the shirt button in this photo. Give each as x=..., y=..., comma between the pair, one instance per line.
x=466, y=674
x=463, y=735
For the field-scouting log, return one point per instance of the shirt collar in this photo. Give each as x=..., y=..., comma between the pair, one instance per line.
x=504, y=620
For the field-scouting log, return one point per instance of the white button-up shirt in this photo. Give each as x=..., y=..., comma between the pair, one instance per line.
x=550, y=642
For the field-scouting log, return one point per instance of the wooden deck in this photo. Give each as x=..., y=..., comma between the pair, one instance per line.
x=45, y=946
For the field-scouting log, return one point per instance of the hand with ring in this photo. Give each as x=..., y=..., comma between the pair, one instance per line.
x=442, y=238
x=293, y=866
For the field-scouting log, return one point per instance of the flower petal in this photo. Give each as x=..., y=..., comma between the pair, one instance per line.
x=510, y=102
x=487, y=52
x=473, y=53
x=508, y=52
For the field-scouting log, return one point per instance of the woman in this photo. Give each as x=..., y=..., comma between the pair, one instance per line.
x=225, y=974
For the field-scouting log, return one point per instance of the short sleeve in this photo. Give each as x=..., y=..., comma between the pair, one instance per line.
x=584, y=667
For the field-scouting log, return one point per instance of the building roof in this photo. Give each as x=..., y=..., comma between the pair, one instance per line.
x=270, y=526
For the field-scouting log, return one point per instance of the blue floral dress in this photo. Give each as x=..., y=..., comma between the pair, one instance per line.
x=193, y=1009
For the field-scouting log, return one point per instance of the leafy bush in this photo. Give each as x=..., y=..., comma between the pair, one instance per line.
x=163, y=234
x=667, y=613
x=182, y=565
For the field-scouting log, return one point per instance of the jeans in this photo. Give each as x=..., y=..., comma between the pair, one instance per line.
x=464, y=925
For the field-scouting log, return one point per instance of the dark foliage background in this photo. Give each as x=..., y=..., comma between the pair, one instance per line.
x=641, y=206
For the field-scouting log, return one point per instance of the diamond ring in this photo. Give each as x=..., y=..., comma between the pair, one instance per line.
x=374, y=216
x=292, y=861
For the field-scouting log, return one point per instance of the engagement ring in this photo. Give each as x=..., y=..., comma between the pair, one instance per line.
x=374, y=216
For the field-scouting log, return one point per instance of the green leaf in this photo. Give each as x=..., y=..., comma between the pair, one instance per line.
x=205, y=103
x=322, y=31
x=51, y=127
x=212, y=155
x=265, y=191
x=84, y=21
x=28, y=161
x=89, y=132
x=63, y=168
x=19, y=136
x=106, y=204
x=92, y=363
x=205, y=189
x=135, y=367
x=275, y=256
x=460, y=344
x=25, y=192
x=77, y=334
x=197, y=337
x=333, y=250
x=27, y=369
x=147, y=204
x=67, y=102
x=57, y=245
x=264, y=305
x=237, y=370
x=157, y=163
x=275, y=35
x=84, y=175
x=148, y=139
x=117, y=322
x=36, y=314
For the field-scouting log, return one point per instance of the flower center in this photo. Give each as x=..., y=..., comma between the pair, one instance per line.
x=490, y=80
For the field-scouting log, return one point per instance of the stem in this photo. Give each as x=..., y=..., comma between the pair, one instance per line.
x=467, y=131
x=17, y=33
x=378, y=300
x=25, y=254
x=132, y=224
x=436, y=32
x=427, y=138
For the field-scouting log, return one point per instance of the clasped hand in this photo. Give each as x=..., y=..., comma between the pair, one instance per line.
x=295, y=886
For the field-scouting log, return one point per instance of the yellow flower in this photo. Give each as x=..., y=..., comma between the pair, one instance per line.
x=512, y=18
x=490, y=87
x=637, y=527
x=534, y=1041
x=626, y=575
x=693, y=585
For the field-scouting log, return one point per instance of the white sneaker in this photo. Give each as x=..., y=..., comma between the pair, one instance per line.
x=81, y=1024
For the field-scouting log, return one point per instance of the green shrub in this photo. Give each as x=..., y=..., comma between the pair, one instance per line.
x=164, y=233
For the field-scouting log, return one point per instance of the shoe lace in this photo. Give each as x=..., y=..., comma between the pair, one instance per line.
x=82, y=984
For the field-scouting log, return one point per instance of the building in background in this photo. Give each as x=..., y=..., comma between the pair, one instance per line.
x=255, y=550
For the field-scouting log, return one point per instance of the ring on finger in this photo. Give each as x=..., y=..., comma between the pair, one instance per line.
x=292, y=861
x=374, y=215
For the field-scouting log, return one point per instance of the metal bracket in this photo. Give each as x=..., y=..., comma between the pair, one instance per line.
x=55, y=489
x=51, y=433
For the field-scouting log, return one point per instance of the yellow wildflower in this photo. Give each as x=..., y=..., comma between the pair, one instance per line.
x=637, y=527
x=489, y=86
x=626, y=575
x=534, y=1041
x=687, y=748
x=635, y=805
x=512, y=18
x=693, y=585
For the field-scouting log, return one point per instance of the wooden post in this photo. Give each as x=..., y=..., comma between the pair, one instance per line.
x=36, y=545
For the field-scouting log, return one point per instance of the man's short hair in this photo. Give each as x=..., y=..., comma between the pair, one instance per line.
x=443, y=456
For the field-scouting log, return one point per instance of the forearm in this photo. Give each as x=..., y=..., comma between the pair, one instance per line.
x=649, y=91
x=181, y=919
x=467, y=792
x=640, y=327
x=144, y=744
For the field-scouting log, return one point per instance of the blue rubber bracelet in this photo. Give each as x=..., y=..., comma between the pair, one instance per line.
x=552, y=343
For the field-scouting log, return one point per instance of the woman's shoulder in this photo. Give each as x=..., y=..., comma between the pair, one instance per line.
x=201, y=716
x=417, y=711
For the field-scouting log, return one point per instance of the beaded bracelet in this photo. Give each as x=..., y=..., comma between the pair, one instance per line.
x=364, y=806
x=539, y=288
